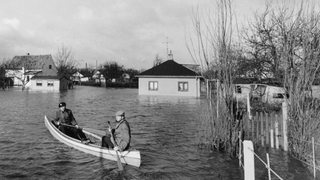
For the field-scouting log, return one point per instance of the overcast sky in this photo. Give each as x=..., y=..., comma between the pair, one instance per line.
x=130, y=32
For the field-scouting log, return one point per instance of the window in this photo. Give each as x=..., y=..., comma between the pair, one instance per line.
x=280, y=95
x=277, y=95
x=261, y=89
x=39, y=83
x=182, y=86
x=238, y=89
x=50, y=66
x=50, y=83
x=153, y=85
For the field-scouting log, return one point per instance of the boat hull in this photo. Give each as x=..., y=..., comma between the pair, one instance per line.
x=131, y=157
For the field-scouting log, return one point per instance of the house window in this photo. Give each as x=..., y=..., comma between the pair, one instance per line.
x=277, y=95
x=183, y=86
x=238, y=89
x=153, y=85
x=39, y=83
x=50, y=66
x=50, y=83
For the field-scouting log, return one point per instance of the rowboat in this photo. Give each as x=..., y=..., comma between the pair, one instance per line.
x=130, y=157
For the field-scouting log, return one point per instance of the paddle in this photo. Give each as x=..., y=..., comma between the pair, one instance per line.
x=113, y=141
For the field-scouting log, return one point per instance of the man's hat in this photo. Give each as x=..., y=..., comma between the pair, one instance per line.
x=62, y=104
x=119, y=113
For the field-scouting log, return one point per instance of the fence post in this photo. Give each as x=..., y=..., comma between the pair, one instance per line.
x=284, y=123
x=240, y=150
x=249, y=107
x=268, y=164
x=252, y=132
x=271, y=131
x=248, y=157
x=261, y=130
x=207, y=85
x=267, y=120
x=258, y=132
x=276, y=124
x=314, y=159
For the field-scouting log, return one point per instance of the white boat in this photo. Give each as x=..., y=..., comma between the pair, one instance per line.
x=130, y=157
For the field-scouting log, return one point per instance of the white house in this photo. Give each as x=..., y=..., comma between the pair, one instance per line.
x=169, y=78
x=35, y=72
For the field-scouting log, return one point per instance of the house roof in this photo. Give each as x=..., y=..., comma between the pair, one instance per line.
x=77, y=74
x=31, y=61
x=44, y=63
x=169, y=68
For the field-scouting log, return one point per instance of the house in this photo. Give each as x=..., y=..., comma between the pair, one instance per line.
x=34, y=72
x=76, y=77
x=99, y=78
x=169, y=78
x=261, y=92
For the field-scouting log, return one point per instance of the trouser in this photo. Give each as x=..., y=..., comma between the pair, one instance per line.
x=73, y=132
x=106, y=141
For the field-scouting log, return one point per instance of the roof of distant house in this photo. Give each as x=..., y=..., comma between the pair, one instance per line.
x=43, y=63
x=169, y=68
x=30, y=62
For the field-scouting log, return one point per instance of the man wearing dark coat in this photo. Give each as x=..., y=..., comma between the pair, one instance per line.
x=64, y=119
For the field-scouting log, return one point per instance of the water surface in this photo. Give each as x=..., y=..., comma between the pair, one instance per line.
x=164, y=129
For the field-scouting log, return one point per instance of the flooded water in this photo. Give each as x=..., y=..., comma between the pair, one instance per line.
x=164, y=129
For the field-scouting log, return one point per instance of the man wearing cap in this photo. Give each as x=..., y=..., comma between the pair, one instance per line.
x=118, y=138
x=64, y=117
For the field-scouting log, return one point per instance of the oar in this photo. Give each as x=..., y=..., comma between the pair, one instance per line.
x=118, y=158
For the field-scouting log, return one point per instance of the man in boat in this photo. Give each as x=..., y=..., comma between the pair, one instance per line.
x=65, y=119
x=118, y=138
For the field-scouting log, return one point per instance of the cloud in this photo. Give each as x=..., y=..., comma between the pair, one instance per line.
x=13, y=23
x=85, y=13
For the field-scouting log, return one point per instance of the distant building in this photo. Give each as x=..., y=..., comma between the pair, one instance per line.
x=35, y=72
x=169, y=78
x=77, y=77
x=99, y=78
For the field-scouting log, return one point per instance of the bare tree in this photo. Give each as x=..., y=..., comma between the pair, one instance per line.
x=65, y=62
x=287, y=40
x=157, y=60
x=213, y=48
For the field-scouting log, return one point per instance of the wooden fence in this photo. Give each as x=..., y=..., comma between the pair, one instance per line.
x=267, y=129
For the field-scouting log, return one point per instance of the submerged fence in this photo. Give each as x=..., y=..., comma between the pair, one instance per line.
x=267, y=129
x=270, y=130
x=248, y=162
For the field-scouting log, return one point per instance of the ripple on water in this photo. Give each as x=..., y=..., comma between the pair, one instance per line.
x=164, y=129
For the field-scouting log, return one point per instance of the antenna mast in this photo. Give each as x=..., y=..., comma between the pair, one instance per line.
x=167, y=46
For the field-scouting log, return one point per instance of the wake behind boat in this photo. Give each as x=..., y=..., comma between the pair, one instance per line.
x=131, y=157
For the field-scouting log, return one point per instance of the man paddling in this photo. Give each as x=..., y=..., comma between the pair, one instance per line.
x=64, y=119
x=118, y=138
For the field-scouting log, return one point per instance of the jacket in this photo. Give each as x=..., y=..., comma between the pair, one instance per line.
x=122, y=135
x=65, y=117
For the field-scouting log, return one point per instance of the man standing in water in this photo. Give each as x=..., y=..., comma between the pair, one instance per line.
x=118, y=138
x=64, y=119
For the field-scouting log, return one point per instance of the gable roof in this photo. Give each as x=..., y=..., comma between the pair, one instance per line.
x=43, y=63
x=30, y=62
x=169, y=68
